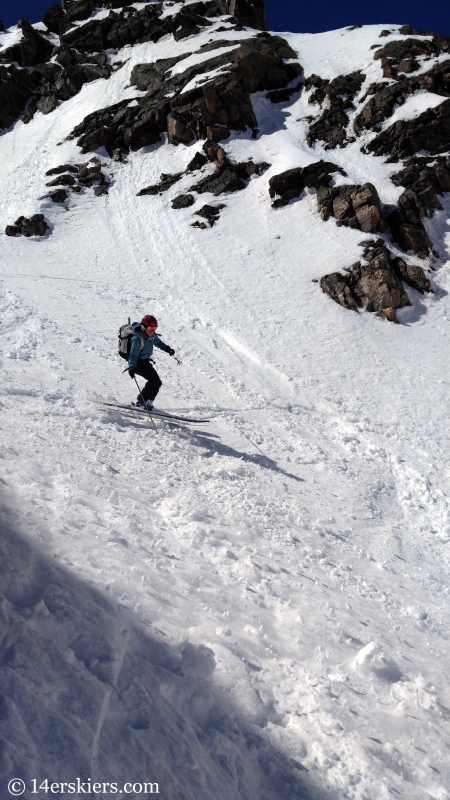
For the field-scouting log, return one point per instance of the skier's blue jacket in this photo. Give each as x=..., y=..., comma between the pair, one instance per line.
x=142, y=345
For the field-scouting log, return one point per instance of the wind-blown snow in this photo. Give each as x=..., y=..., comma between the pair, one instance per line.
x=303, y=535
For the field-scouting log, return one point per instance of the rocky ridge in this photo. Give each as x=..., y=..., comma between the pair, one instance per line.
x=223, y=101
x=211, y=99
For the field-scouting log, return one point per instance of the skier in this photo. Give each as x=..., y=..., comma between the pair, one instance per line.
x=143, y=340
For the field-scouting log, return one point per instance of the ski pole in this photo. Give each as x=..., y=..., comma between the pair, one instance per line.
x=141, y=396
x=139, y=388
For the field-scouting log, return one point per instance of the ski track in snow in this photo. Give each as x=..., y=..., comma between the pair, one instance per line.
x=302, y=535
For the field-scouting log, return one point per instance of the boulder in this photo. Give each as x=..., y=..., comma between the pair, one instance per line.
x=376, y=285
x=290, y=184
x=177, y=131
x=211, y=213
x=197, y=162
x=428, y=178
x=228, y=177
x=183, y=201
x=58, y=196
x=216, y=154
x=12, y=230
x=355, y=206
x=226, y=180
x=47, y=104
x=78, y=10
x=217, y=133
x=36, y=226
x=425, y=180
x=250, y=13
x=412, y=275
x=336, y=286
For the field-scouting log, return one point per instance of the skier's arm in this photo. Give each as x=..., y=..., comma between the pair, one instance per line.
x=135, y=349
x=163, y=346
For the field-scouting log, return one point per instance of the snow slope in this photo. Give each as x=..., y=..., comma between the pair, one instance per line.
x=303, y=535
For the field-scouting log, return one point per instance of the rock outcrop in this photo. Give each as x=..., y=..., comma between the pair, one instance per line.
x=16, y=88
x=81, y=55
x=401, y=55
x=32, y=49
x=228, y=177
x=330, y=127
x=222, y=102
x=425, y=180
x=210, y=213
x=430, y=131
x=290, y=184
x=376, y=285
x=75, y=177
x=59, y=83
x=385, y=96
x=353, y=206
x=35, y=226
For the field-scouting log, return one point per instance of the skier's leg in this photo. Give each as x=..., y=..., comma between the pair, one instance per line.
x=154, y=383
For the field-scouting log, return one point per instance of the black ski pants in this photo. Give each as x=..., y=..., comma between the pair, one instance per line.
x=154, y=382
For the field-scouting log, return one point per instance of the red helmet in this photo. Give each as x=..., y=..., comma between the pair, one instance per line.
x=149, y=321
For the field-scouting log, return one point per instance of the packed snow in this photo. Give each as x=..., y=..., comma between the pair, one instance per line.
x=290, y=558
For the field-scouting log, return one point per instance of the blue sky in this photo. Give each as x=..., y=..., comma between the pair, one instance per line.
x=305, y=17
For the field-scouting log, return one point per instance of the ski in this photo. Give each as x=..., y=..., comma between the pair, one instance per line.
x=159, y=414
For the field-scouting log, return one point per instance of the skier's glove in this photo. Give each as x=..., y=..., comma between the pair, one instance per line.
x=131, y=373
x=171, y=351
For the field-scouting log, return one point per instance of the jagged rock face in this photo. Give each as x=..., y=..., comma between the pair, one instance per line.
x=406, y=226
x=354, y=206
x=16, y=88
x=31, y=50
x=81, y=54
x=331, y=125
x=401, y=56
x=384, y=97
x=211, y=99
x=376, y=285
x=250, y=13
x=224, y=101
x=430, y=131
x=428, y=177
x=425, y=179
